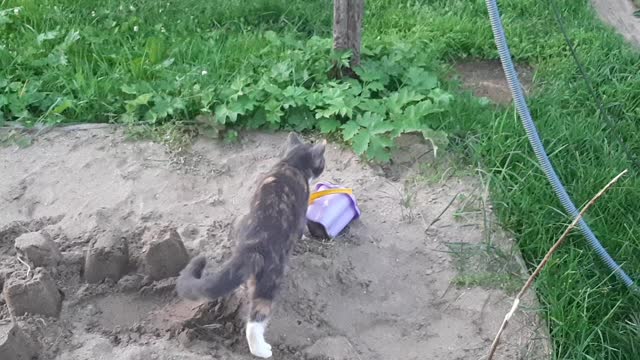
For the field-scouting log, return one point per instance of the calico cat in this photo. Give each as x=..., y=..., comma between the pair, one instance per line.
x=264, y=239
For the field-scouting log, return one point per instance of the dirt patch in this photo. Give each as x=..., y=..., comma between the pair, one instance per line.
x=382, y=290
x=485, y=78
x=620, y=15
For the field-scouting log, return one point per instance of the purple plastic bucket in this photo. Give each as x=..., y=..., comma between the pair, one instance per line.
x=328, y=215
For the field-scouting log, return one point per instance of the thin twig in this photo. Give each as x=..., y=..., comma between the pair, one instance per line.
x=25, y=264
x=544, y=261
x=441, y=213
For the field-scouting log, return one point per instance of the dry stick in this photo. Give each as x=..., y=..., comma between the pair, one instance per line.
x=544, y=261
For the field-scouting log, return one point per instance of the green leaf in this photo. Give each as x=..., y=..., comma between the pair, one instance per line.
x=143, y=99
x=293, y=96
x=224, y=113
x=273, y=111
x=381, y=128
x=162, y=108
x=397, y=100
x=420, y=80
x=328, y=125
x=379, y=149
x=360, y=142
x=374, y=106
x=64, y=105
x=129, y=89
x=441, y=97
x=258, y=119
x=300, y=119
x=151, y=116
x=350, y=129
x=368, y=119
x=325, y=113
x=281, y=71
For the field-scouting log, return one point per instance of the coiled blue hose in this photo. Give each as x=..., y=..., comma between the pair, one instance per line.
x=538, y=148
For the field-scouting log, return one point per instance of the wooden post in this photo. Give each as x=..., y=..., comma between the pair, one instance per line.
x=347, y=31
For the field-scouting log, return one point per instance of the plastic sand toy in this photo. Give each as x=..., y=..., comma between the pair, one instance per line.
x=331, y=209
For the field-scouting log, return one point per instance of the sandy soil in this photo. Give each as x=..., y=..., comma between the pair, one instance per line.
x=619, y=14
x=485, y=78
x=382, y=290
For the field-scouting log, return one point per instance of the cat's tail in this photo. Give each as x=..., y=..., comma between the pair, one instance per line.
x=193, y=286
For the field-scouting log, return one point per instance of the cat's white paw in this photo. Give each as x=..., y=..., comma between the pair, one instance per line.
x=262, y=350
x=255, y=338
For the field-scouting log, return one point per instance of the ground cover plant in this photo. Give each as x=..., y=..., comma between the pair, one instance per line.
x=264, y=64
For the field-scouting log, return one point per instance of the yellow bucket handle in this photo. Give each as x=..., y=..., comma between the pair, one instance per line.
x=313, y=197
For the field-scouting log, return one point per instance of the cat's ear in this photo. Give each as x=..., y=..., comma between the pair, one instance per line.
x=317, y=150
x=293, y=140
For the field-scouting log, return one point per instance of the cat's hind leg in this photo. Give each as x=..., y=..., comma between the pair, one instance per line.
x=256, y=326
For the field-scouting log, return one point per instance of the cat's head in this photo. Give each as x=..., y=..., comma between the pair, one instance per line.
x=307, y=157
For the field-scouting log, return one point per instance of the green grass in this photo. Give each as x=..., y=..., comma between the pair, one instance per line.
x=166, y=62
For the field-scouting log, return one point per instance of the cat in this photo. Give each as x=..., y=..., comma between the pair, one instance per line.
x=264, y=239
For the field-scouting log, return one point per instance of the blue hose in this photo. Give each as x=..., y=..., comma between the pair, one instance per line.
x=538, y=148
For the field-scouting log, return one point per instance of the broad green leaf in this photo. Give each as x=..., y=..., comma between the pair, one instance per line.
x=162, y=107
x=375, y=86
x=151, y=116
x=325, y=113
x=381, y=128
x=64, y=105
x=350, y=129
x=397, y=100
x=281, y=71
x=328, y=125
x=368, y=119
x=441, y=97
x=379, y=149
x=374, y=106
x=419, y=79
x=129, y=89
x=245, y=104
x=273, y=111
x=360, y=142
x=224, y=113
x=300, y=119
x=140, y=100
x=258, y=119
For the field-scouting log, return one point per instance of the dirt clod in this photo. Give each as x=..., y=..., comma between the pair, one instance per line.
x=37, y=295
x=165, y=255
x=107, y=258
x=15, y=344
x=130, y=283
x=39, y=249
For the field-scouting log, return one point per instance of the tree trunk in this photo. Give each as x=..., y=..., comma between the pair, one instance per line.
x=347, y=31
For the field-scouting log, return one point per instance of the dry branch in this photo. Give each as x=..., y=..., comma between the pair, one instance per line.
x=544, y=261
